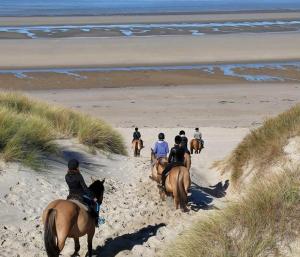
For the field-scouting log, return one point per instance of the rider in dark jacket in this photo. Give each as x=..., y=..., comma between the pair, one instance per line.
x=78, y=189
x=184, y=141
x=176, y=158
x=137, y=136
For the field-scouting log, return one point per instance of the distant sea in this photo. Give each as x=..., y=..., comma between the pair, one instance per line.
x=110, y=7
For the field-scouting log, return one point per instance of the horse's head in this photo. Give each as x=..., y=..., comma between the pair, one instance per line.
x=163, y=162
x=97, y=187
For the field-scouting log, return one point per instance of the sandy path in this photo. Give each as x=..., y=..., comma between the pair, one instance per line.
x=137, y=222
x=149, y=50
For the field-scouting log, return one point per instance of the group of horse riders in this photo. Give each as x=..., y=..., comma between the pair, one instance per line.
x=73, y=222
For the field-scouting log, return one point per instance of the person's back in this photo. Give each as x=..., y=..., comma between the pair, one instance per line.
x=136, y=134
x=184, y=141
x=161, y=147
x=177, y=155
x=75, y=181
x=197, y=135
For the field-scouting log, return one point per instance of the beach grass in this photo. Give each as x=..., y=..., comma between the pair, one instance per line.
x=262, y=223
x=29, y=128
x=264, y=145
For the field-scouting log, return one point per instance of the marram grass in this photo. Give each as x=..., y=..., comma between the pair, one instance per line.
x=263, y=223
x=263, y=145
x=28, y=129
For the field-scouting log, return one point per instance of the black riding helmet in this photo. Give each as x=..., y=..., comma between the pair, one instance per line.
x=136, y=129
x=73, y=164
x=178, y=140
x=161, y=136
x=181, y=132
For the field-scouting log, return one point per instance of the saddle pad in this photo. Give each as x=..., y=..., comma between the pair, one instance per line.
x=79, y=204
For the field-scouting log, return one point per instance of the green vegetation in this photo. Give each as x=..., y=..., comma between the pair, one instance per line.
x=28, y=129
x=263, y=223
x=265, y=144
x=265, y=220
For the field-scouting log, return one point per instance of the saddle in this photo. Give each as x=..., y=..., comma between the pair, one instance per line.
x=80, y=204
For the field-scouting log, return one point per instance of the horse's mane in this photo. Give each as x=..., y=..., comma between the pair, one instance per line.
x=97, y=187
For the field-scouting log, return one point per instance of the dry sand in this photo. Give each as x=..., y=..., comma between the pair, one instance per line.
x=149, y=50
x=138, y=223
x=241, y=105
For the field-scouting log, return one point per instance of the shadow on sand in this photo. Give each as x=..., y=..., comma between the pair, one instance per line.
x=202, y=197
x=113, y=246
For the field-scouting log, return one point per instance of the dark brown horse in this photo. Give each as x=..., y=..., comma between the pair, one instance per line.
x=136, y=146
x=196, y=146
x=66, y=218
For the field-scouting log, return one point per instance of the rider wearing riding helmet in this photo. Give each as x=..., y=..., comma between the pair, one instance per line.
x=184, y=141
x=137, y=136
x=78, y=189
x=198, y=136
x=161, y=147
x=176, y=158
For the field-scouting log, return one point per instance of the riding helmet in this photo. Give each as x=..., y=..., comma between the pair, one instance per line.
x=178, y=140
x=73, y=164
x=181, y=132
x=161, y=136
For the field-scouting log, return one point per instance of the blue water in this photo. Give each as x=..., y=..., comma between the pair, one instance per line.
x=226, y=69
x=105, y=7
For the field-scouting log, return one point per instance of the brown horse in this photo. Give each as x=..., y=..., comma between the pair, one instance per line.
x=178, y=183
x=137, y=146
x=158, y=166
x=66, y=218
x=195, y=145
x=187, y=161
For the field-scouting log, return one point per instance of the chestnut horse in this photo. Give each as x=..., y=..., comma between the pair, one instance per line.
x=195, y=145
x=187, y=161
x=65, y=218
x=178, y=181
x=136, y=146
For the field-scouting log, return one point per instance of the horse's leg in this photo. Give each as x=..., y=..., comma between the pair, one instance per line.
x=90, y=241
x=77, y=246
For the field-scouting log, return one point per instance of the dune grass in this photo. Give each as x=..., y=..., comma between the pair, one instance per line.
x=262, y=224
x=28, y=129
x=263, y=145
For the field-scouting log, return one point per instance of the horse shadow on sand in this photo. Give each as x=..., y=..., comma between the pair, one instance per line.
x=113, y=246
x=202, y=197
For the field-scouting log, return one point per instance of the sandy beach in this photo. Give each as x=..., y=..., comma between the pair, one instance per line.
x=117, y=19
x=223, y=102
x=91, y=52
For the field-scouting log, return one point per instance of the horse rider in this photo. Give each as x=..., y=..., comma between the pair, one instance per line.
x=78, y=189
x=176, y=158
x=137, y=136
x=198, y=136
x=184, y=141
x=161, y=147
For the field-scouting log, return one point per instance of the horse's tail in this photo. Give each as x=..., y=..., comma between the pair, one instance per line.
x=50, y=235
x=180, y=190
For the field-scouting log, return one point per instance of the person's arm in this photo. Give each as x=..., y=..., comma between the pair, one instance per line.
x=170, y=156
x=83, y=184
x=155, y=148
x=167, y=147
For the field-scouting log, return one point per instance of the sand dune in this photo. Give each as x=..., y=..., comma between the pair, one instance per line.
x=138, y=223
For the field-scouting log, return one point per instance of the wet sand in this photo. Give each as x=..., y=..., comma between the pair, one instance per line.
x=116, y=19
x=120, y=79
x=91, y=52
